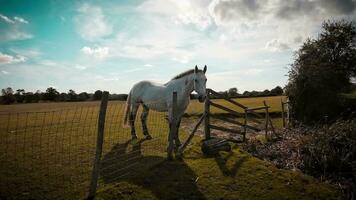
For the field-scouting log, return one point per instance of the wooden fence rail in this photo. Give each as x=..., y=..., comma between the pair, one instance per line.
x=248, y=114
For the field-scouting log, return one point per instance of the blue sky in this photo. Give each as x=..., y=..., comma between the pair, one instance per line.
x=110, y=45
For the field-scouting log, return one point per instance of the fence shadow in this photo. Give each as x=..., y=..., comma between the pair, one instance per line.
x=222, y=163
x=166, y=179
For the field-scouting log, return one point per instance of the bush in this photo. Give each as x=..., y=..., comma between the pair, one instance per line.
x=323, y=151
x=330, y=151
x=322, y=71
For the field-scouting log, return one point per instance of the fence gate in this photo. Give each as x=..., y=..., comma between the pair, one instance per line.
x=242, y=118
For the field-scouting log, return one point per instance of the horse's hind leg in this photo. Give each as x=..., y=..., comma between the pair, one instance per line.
x=144, y=116
x=132, y=119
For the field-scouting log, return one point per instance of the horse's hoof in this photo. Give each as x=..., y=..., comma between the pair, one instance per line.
x=148, y=137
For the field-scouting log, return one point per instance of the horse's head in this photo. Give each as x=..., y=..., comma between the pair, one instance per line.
x=200, y=83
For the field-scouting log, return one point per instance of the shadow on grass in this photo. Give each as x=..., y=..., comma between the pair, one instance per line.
x=166, y=179
x=222, y=163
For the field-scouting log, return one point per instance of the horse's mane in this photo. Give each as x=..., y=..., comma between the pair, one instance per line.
x=181, y=75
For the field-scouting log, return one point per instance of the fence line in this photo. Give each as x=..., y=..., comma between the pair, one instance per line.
x=50, y=154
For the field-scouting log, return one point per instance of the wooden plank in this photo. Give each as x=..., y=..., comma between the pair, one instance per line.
x=227, y=99
x=182, y=147
x=207, y=115
x=256, y=114
x=235, y=122
x=267, y=120
x=256, y=108
x=235, y=103
x=237, y=114
x=226, y=109
x=225, y=129
x=99, y=145
x=283, y=117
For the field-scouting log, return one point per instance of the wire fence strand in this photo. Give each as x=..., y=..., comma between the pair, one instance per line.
x=50, y=154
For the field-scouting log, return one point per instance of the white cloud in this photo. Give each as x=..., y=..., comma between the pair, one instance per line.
x=30, y=53
x=7, y=19
x=14, y=20
x=182, y=12
x=80, y=67
x=9, y=59
x=148, y=65
x=91, y=23
x=5, y=72
x=21, y=20
x=12, y=29
x=276, y=45
x=50, y=63
x=289, y=21
x=97, y=52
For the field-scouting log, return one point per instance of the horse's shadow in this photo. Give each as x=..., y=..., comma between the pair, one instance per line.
x=166, y=179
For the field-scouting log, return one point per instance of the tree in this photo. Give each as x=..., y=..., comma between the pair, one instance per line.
x=20, y=95
x=72, y=95
x=97, y=95
x=8, y=95
x=265, y=93
x=277, y=91
x=321, y=71
x=232, y=92
x=51, y=94
x=83, y=96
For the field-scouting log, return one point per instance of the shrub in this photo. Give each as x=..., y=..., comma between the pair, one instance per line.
x=321, y=71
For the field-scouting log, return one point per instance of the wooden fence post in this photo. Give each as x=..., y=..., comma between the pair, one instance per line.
x=267, y=119
x=99, y=145
x=207, y=115
x=245, y=126
x=288, y=113
x=283, y=112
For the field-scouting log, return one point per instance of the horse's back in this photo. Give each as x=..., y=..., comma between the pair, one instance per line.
x=151, y=94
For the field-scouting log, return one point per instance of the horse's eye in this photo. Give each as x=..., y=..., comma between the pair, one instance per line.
x=196, y=80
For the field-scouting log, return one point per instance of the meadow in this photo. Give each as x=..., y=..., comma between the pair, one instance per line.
x=47, y=151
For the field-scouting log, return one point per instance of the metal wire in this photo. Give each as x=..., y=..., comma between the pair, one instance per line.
x=50, y=154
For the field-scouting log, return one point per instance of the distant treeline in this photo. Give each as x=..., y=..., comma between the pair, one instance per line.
x=233, y=93
x=10, y=96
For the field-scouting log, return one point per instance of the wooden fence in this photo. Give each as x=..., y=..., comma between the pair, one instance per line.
x=285, y=113
x=248, y=115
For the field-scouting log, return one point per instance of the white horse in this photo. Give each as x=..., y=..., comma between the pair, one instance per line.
x=158, y=97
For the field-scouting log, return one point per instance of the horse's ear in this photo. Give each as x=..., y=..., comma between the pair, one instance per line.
x=196, y=69
x=205, y=68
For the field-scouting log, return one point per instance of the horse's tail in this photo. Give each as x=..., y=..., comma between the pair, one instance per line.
x=127, y=110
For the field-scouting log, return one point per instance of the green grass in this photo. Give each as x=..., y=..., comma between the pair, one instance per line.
x=234, y=175
x=47, y=149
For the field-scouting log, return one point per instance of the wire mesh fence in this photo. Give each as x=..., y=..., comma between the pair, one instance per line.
x=50, y=154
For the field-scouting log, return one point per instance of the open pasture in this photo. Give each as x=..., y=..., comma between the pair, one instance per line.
x=47, y=151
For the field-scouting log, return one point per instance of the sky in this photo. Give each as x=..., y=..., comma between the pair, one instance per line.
x=111, y=45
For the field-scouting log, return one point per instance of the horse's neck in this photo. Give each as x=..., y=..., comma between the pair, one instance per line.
x=184, y=86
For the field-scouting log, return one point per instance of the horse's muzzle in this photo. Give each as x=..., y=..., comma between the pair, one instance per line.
x=201, y=98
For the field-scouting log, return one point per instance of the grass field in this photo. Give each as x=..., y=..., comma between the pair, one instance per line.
x=47, y=151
